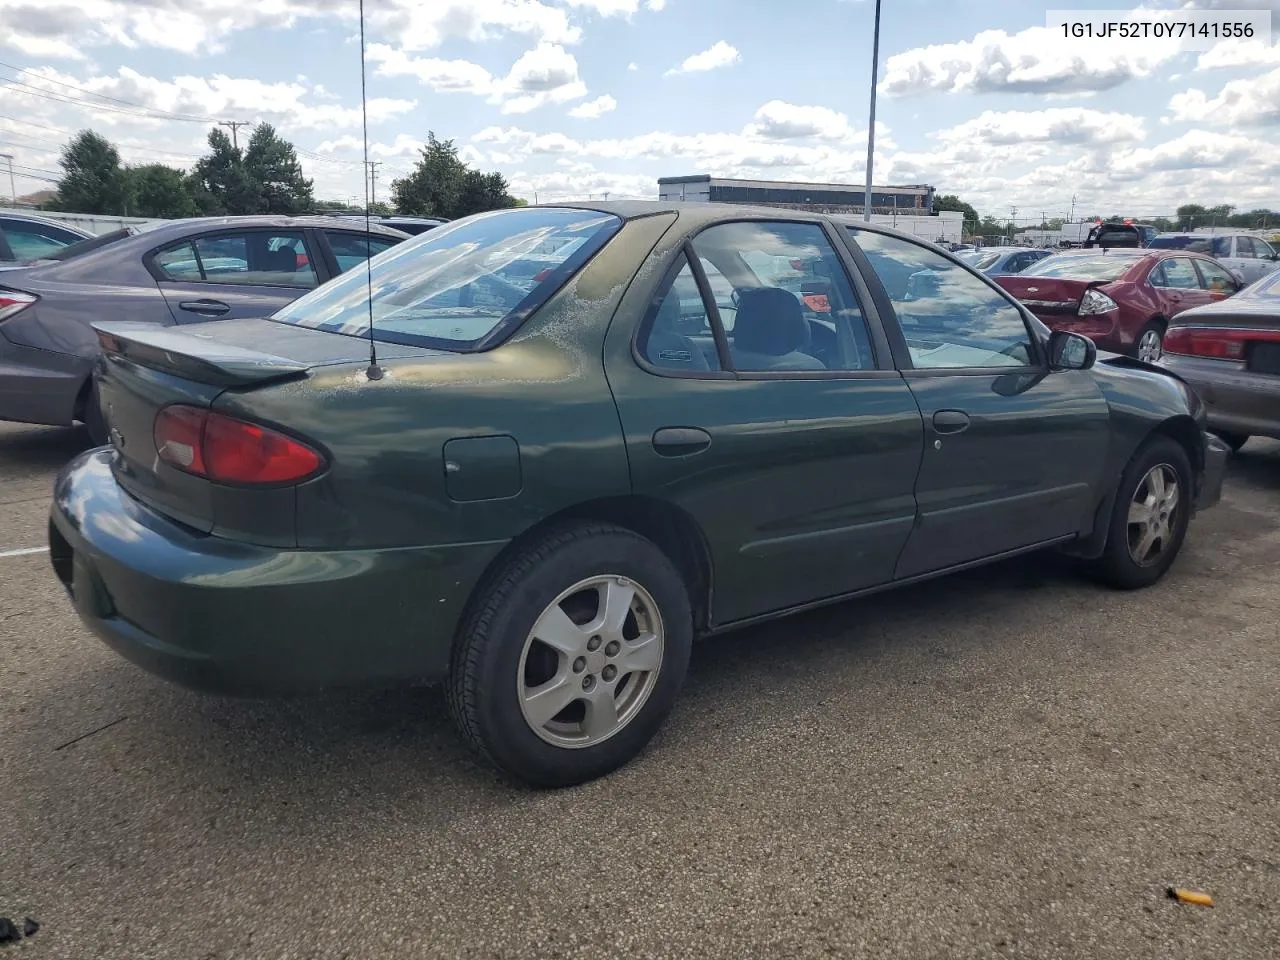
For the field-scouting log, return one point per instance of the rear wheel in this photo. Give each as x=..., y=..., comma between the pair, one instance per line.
x=1150, y=517
x=1233, y=440
x=572, y=656
x=1149, y=345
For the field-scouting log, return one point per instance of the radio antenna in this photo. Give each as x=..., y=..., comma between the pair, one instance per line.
x=374, y=372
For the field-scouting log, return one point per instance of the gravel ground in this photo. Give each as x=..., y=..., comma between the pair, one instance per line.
x=1007, y=763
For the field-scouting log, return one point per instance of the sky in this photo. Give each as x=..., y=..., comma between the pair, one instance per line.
x=572, y=99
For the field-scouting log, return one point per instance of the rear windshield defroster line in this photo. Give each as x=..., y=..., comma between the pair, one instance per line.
x=462, y=287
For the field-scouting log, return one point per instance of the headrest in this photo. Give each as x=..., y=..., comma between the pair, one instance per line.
x=769, y=321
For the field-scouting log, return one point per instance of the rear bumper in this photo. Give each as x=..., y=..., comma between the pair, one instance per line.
x=39, y=386
x=233, y=618
x=1215, y=468
x=1235, y=400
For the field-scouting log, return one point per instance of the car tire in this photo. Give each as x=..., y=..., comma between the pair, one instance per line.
x=1233, y=440
x=95, y=423
x=501, y=662
x=1150, y=338
x=1125, y=564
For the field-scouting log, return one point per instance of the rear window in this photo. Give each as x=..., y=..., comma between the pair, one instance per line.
x=979, y=260
x=1268, y=286
x=1212, y=246
x=1102, y=267
x=461, y=284
x=92, y=243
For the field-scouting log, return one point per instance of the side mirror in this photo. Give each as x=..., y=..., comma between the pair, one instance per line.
x=1071, y=351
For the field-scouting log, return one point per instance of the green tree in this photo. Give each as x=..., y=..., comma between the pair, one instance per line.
x=950, y=202
x=442, y=185
x=272, y=167
x=220, y=183
x=93, y=180
x=156, y=190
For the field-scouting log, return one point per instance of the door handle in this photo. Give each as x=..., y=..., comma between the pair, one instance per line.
x=950, y=421
x=206, y=308
x=680, y=441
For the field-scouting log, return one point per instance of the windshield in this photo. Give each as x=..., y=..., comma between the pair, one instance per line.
x=1102, y=267
x=91, y=244
x=454, y=286
x=1213, y=246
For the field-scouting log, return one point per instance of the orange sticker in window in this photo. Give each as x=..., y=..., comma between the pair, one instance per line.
x=817, y=302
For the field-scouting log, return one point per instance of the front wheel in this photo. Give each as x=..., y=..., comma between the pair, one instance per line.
x=572, y=656
x=1150, y=517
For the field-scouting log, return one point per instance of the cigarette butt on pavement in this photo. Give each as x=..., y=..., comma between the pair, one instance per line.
x=1190, y=896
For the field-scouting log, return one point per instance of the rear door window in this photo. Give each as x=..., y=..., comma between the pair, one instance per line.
x=35, y=241
x=248, y=258
x=353, y=249
x=1245, y=249
x=1175, y=273
x=783, y=297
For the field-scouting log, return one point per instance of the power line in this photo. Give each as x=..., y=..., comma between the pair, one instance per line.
x=93, y=93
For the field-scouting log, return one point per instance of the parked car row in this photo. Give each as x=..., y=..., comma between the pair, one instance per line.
x=590, y=433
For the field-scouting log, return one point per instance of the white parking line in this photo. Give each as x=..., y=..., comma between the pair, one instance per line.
x=24, y=552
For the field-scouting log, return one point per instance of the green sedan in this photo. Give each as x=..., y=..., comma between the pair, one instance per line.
x=534, y=453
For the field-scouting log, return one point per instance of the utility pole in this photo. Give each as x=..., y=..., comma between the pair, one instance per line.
x=1071, y=218
x=373, y=182
x=13, y=191
x=871, y=126
x=234, y=125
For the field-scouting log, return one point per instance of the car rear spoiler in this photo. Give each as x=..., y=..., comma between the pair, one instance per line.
x=193, y=354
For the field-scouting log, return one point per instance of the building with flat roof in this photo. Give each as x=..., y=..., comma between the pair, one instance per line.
x=913, y=199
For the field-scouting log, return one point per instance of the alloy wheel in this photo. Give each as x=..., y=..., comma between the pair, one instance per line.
x=1150, y=346
x=590, y=662
x=1153, y=514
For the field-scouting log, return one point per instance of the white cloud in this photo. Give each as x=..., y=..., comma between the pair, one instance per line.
x=282, y=104
x=617, y=8
x=1251, y=102
x=1065, y=126
x=546, y=74
x=1034, y=60
x=779, y=120
x=65, y=28
x=719, y=54
x=633, y=66
x=594, y=108
x=1239, y=53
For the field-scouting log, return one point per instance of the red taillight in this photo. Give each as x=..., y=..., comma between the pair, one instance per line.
x=1216, y=343
x=301, y=261
x=12, y=301
x=228, y=450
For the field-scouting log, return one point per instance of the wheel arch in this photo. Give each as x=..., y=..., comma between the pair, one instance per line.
x=670, y=528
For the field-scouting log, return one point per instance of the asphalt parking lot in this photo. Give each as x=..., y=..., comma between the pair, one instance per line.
x=1011, y=762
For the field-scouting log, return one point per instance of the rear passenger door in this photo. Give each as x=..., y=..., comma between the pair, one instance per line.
x=1013, y=453
x=764, y=405
x=234, y=273
x=1177, y=285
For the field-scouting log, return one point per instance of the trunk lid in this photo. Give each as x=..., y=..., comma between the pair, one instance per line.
x=1047, y=296
x=145, y=367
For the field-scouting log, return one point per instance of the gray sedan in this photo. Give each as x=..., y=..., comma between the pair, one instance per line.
x=1229, y=352
x=1001, y=261
x=174, y=272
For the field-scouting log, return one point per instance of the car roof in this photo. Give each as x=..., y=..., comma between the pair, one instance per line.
x=46, y=221
x=190, y=225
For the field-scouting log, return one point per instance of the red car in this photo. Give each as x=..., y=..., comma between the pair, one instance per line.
x=1121, y=299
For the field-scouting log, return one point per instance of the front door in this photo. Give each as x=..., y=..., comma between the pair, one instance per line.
x=246, y=272
x=1013, y=453
x=768, y=415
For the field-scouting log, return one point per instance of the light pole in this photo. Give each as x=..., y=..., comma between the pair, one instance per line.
x=13, y=191
x=871, y=126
